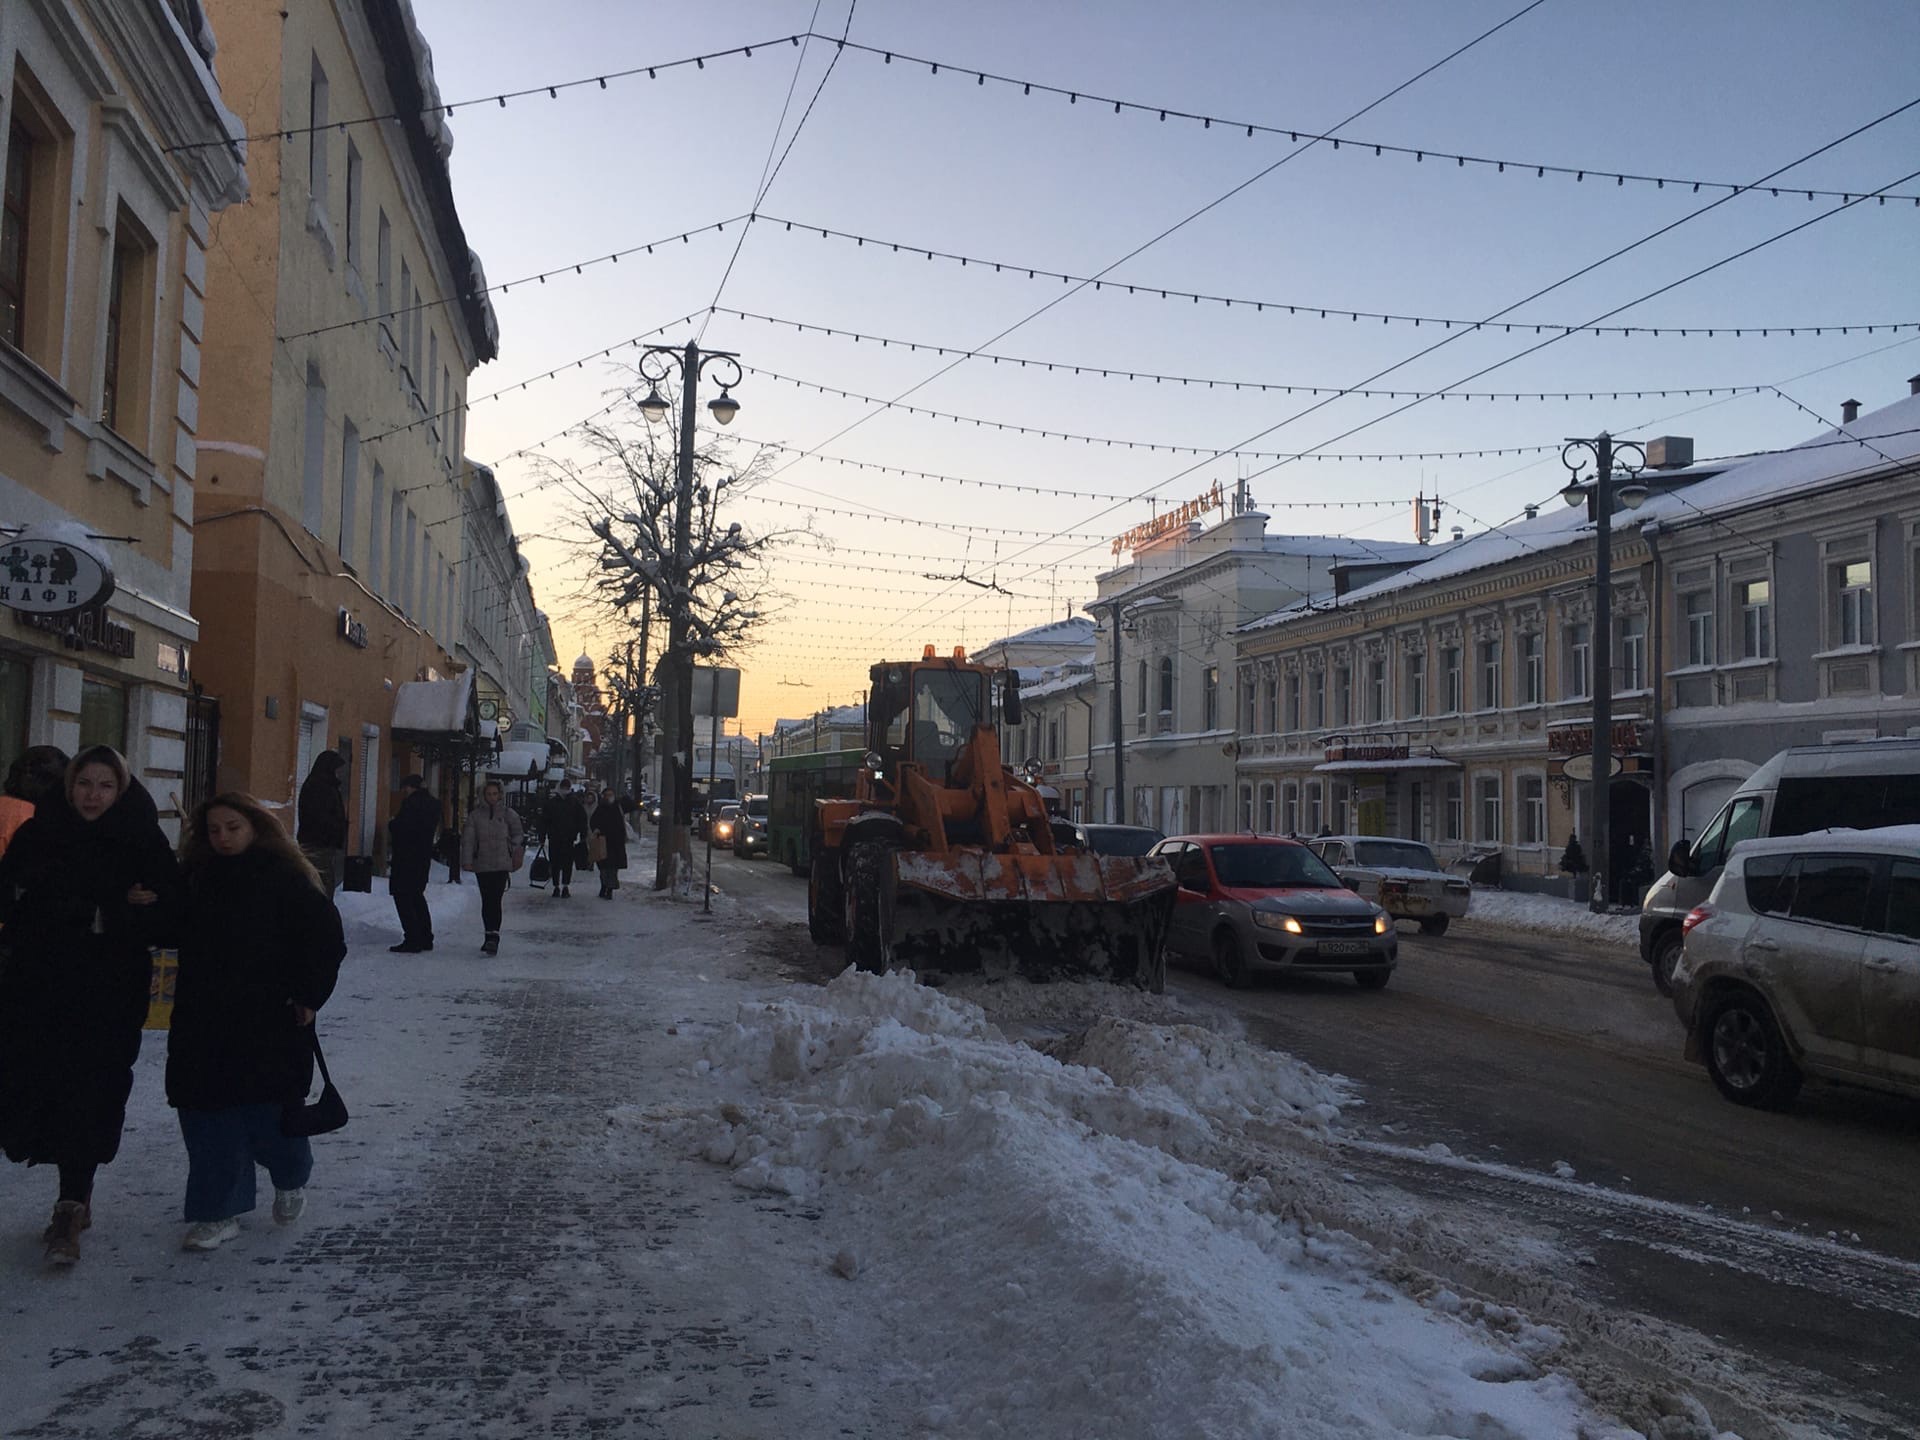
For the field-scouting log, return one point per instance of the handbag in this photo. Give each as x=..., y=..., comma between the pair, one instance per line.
x=320, y=1117
x=596, y=847
x=540, y=871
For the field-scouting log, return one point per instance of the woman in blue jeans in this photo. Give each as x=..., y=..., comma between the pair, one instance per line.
x=260, y=948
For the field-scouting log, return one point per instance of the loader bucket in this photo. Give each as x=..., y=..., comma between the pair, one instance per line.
x=1042, y=916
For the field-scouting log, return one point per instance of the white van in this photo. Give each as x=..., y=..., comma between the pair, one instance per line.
x=1863, y=785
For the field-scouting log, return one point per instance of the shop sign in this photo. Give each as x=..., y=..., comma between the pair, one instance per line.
x=1578, y=739
x=351, y=630
x=1371, y=751
x=86, y=630
x=1176, y=519
x=53, y=570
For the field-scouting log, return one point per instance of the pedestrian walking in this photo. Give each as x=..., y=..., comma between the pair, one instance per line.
x=260, y=948
x=565, y=821
x=37, y=775
x=322, y=819
x=492, y=849
x=78, y=887
x=610, y=831
x=410, y=835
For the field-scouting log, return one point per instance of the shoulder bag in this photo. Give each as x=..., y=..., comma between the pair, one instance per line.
x=319, y=1117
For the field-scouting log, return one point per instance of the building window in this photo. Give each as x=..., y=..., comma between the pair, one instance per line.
x=1343, y=696
x=1633, y=652
x=419, y=330
x=407, y=598
x=1579, y=676
x=1342, y=807
x=1140, y=715
x=352, y=217
x=349, y=488
x=1210, y=698
x=1487, y=802
x=396, y=547
x=1489, y=674
x=116, y=309
x=1533, y=810
x=317, y=136
x=103, y=714
x=1246, y=808
x=1270, y=696
x=1850, y=588
x=1755, y=598
x=1315, y=820
x=1166, y=693
x=1698, y=608
x=1417, y=684
x=1266, y=807
x=15, y=215
x=1290, y=809
x=409, y=321
x=1317, y=699
x=313, y=483
x=383, y=271
x=1454, y=822
x=1245, y=696
x=1450, y=666
x=1293, y=703
x=376, y=532
x=1533, y=668
x=1376, y=690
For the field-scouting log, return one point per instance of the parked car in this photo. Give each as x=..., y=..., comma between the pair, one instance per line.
x=1805, y=960
x=1250, y=901
x=1864, y=784
x=750, y=827
x=1400, y=876
x=720, y=823
x=1117, y=839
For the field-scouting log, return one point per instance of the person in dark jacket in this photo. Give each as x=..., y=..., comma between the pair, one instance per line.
x=322, y=824
x=492, y=848
x=78, y=887
x=610, y=826
x=566, y=822
x=36, y=776
x=410, y=836
x=260, y=949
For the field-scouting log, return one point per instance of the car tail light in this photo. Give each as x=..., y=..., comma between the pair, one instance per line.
x=1694, y=917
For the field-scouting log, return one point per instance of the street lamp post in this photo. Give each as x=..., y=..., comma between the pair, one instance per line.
x=1608, y=456
x=656, y=364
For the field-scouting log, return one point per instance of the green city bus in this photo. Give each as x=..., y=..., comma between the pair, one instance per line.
x=794, y=782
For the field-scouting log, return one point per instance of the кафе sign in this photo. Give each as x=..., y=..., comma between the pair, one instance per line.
x=53, y=570
x=1150, y=530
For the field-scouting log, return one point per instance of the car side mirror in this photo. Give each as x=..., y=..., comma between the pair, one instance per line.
x=1680, y=859
x=1011, y=696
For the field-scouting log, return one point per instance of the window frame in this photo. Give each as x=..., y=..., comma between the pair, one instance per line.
x=1577, y=676
x=1452, y=659
x=1482, y=799
x=1490, y=672
x=16, y=218
x=1533, y=668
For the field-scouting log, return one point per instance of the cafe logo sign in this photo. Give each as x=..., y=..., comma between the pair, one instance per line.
x=1176, y=519
x=53, y=570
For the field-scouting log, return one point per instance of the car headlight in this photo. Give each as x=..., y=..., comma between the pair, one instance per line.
x=1381, y=923
x=1269, y=920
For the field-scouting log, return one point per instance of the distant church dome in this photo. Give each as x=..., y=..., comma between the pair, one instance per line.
x=585, y=662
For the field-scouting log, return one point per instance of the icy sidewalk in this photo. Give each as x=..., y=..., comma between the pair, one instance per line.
x=627, y=1179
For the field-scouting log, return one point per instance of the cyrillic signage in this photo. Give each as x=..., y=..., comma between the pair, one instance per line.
x=1175, y=519
x=53, y=570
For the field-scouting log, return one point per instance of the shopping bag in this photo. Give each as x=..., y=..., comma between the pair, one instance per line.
x=596, y=847
x=166, y=972
x=320, y=1117
x=540, y=871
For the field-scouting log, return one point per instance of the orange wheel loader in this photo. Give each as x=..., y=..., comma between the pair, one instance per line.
x=944, y=859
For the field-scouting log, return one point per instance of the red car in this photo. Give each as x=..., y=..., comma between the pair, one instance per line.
x=1248, y=902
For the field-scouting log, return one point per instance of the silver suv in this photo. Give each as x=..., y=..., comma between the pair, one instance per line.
x=1805, y=960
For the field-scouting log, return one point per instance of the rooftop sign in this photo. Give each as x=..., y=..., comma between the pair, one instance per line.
x=1175, y=519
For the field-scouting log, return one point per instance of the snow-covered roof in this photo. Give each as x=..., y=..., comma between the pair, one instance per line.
x=1344, y=547
x=1055, y=680
x=519, y=759
x=1074, y=629
x=1875, y=442
x=833, y=715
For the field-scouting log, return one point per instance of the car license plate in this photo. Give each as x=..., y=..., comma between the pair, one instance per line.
x=1416, y=904
x=1343, y=947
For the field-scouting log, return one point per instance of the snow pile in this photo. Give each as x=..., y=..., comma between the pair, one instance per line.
x=370, y=919
x=1041, y=1248
x=1550, y=915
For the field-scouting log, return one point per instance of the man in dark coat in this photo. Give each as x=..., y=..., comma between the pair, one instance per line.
x=564, y=819
x=322, y=831
x=409, y=859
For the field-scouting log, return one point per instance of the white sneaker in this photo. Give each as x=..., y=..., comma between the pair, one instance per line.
x=288, y=1205
x=210, y=1234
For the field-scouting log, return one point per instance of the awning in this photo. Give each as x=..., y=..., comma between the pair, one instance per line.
x=520, y=760
x=436, y=709
x=1412, y=762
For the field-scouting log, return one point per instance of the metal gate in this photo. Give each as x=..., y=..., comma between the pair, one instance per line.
x=203, y=749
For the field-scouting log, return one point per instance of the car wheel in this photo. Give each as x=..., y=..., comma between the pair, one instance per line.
x=866, y=944
x=1434, y=924
x=1373, y=979
x=1229, y=960
x=824, y=901
x=1746, y=1054
x=1666, y=956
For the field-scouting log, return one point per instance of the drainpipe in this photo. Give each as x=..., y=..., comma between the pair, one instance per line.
x=1656, y=621
x=1092, y=813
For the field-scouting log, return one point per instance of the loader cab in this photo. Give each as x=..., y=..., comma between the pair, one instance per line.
x=926, y=713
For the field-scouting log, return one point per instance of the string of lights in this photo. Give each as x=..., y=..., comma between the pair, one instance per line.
x=1150, y=446
x=952, y=526
x=1334, y=312
x=1218, y=383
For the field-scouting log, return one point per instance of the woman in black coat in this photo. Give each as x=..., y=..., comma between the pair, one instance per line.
x=77, y=892
x=260, y=949
x=610, y=825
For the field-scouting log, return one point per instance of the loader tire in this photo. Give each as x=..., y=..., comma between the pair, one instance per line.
x=866, y=944
x=825, y=906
